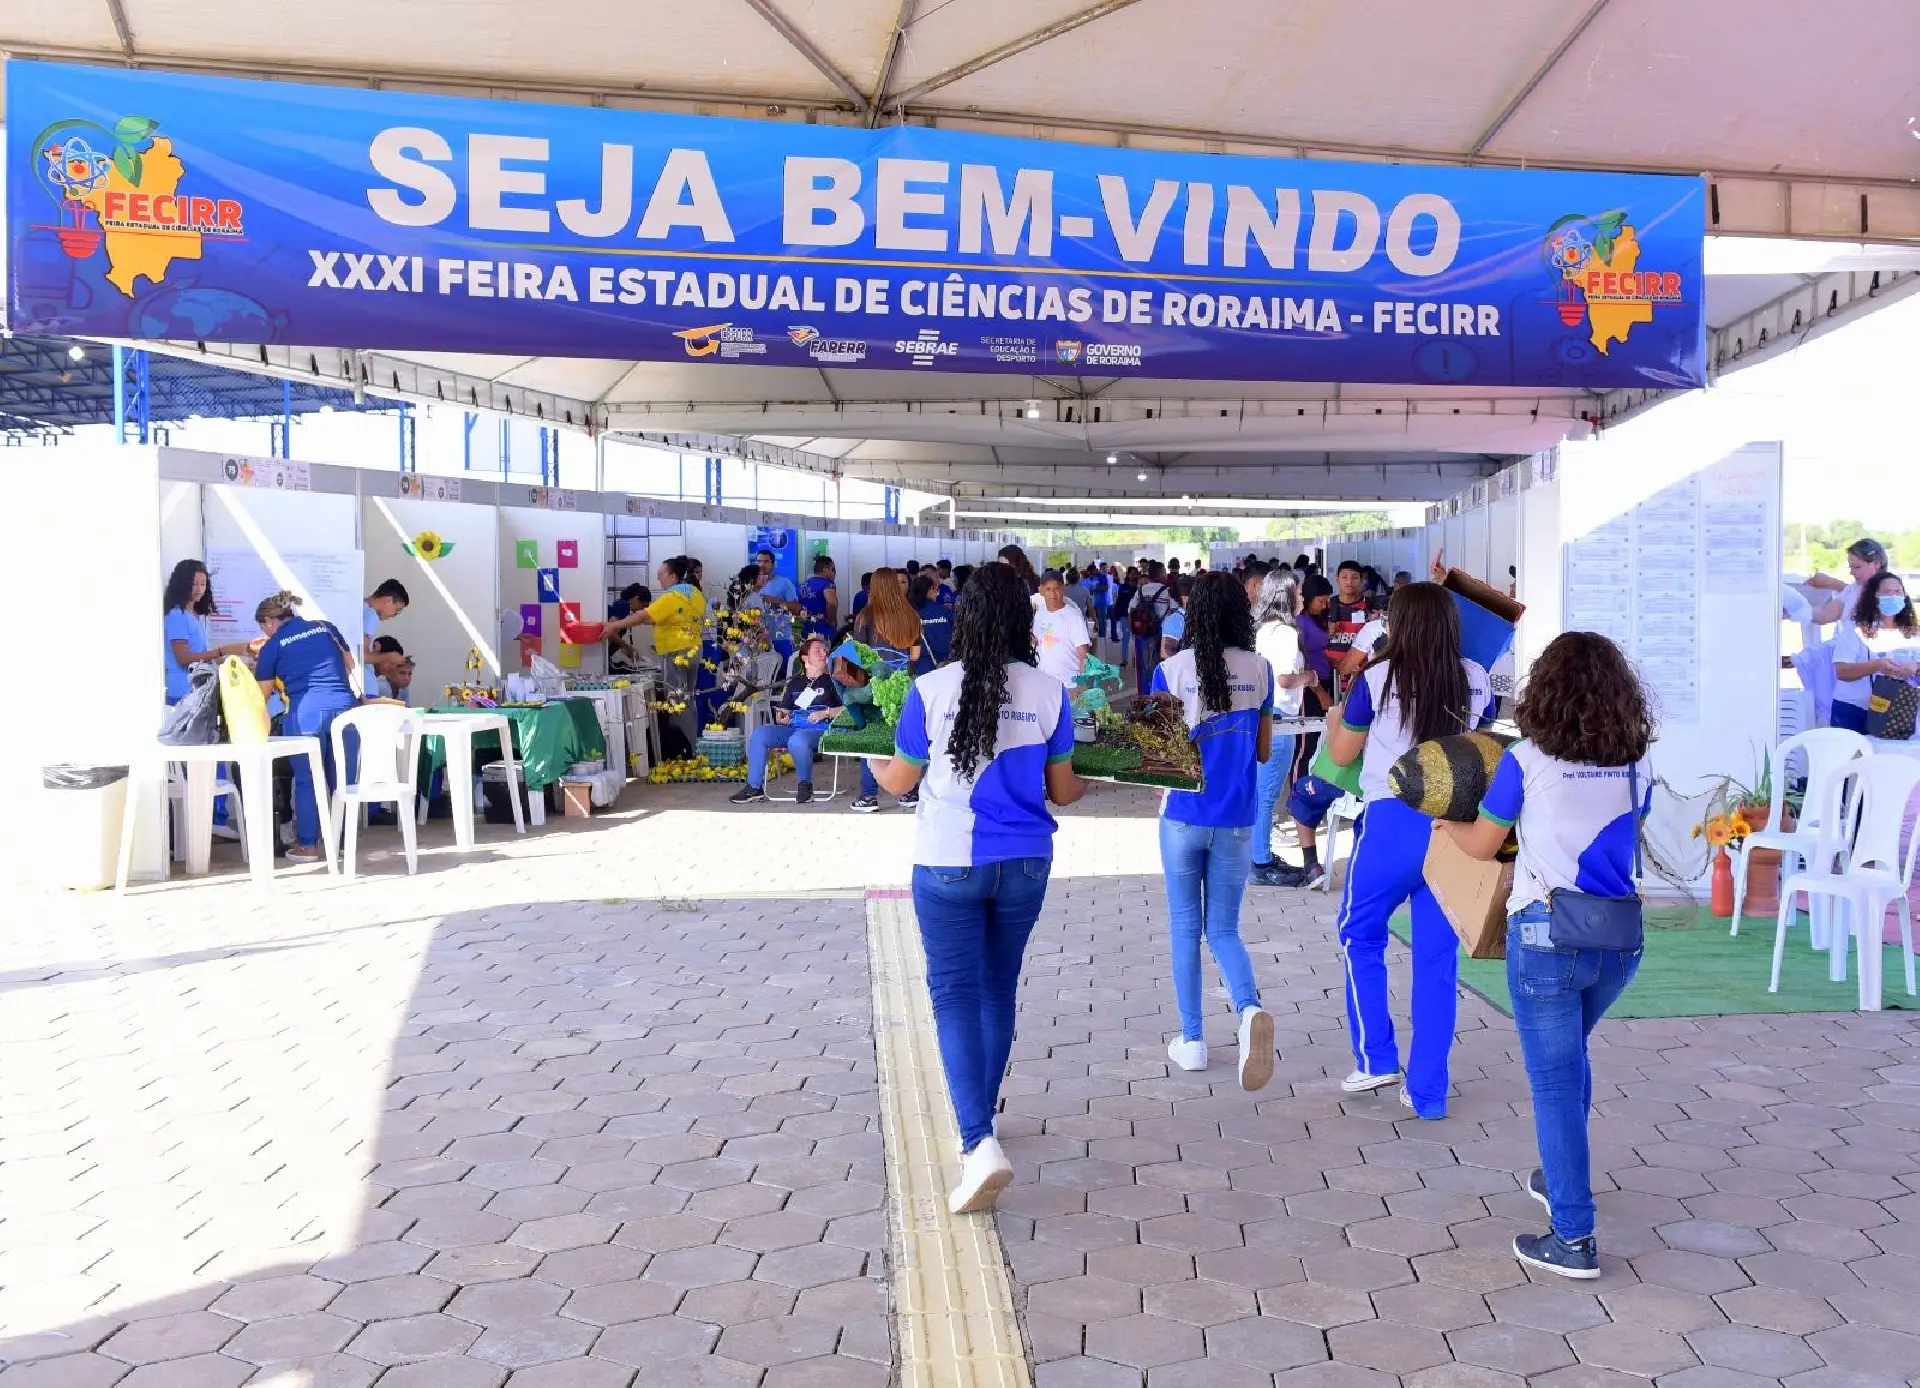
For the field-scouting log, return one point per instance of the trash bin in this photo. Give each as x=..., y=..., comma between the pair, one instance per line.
x=80, y=813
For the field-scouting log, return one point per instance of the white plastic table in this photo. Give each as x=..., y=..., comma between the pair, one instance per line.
x=456, y=732
x=255, y=761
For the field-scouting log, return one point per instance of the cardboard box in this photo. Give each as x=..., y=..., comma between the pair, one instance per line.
x=1487, y=618
x=1472, y=896
x=576, y=799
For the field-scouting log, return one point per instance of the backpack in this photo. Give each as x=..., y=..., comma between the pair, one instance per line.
x=1144, y=620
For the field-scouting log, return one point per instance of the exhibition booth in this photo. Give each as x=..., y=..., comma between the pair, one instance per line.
x=493, y=570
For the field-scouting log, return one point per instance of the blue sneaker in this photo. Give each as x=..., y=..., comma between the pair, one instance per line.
x=1551, y=1253
x=1537, y=1188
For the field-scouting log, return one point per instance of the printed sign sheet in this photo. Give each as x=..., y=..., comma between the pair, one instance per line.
x=153, y=206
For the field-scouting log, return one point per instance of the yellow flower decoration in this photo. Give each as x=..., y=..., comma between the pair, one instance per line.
x=1719, y=832
x=429, y=546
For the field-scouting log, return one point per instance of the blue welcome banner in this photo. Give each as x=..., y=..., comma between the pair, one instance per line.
x=146, y=205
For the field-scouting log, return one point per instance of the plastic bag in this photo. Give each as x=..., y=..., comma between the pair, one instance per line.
x=242, y=703
x=195, y=720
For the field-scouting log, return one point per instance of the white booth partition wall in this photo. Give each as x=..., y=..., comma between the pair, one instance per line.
x=451, y=600
x=551, y=552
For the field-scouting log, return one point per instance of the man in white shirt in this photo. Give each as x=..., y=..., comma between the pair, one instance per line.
x=1059, y=630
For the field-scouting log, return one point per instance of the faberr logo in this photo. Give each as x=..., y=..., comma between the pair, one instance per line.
x=924, y=348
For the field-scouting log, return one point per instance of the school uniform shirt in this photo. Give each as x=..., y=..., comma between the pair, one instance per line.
x=190, y=627
x=813, y=597
x=677, y=617
x=1368, y=709
x=1001, y=814
x=1226, y=740
x=936, y=629
x=1279, y=645
x=859, y=603
x=775, y=620
x=1173, y=626
x=1850, y=647
x=307, y=657
x=1577, y=823
x=1058, y=636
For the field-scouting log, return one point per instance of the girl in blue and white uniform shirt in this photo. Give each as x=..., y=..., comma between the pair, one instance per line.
x=1225, y=690
x=1419, y=689
x=1574, y=792
x=986, y=741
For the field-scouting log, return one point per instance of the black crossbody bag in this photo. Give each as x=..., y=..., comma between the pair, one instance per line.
x=1580, y=920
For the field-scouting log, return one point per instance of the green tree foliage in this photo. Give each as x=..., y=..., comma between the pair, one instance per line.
x=1821, y=546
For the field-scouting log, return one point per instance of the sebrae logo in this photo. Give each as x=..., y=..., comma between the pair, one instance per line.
x=1595, y=262
x=124, y=187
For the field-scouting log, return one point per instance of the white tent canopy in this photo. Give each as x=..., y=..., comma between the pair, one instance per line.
x=1803, y=125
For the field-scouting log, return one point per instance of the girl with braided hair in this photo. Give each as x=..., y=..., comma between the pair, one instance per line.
x=1225, y=691
x=993, y=738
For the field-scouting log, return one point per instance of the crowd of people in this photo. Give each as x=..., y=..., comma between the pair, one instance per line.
x=985, y=743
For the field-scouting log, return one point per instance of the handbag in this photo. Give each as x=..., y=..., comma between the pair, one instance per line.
x=1580, y=920
x=1891, y=708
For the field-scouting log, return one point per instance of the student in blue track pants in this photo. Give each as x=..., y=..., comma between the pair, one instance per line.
x=1420, y=688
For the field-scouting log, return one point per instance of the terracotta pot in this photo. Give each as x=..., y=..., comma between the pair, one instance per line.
x=1763, y=871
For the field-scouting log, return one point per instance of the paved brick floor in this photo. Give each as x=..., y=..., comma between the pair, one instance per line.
x=597, y=1107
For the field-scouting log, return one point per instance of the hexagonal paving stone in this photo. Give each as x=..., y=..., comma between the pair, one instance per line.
x=1317, y=1304
x=1513, y=1349
x=782, y=1340
x=1632, y=1349
x=170, y=1337
x=1388, y=1346
x=565, y=1231
x=661, y=1340
x=1143, y=1342
x=291, y=1337
x=276, y=1296
x=542, y=1340
x=413, y=1338
x=1199, y=1302
x=1435, y=1307
x=1748, y=1349
x=766, y=1233
x=507, y=1303
x=1557, y=1309
x=1260, y=1343
x=1084, y=1299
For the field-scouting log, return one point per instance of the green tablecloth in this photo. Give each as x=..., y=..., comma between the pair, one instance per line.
x=548, y=739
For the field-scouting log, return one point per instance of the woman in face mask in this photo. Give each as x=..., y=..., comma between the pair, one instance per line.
x=1866, y=559
x=1881, y=638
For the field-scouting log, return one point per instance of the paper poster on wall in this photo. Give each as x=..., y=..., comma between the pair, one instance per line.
x=327, y=583
x=569, y=615
x=530, y=618
x=819, y=547
x=529, y=648
x=412, y=484
x=549, y=580
x=567, y=554
x=569, y=656
x=526, y=554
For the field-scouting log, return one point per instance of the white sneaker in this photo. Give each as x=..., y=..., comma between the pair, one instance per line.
x=1256, y=1048
x=1188, y=1055
x=984, y=1173
x=1360, y=1082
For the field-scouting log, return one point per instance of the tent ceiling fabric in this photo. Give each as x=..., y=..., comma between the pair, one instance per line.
x=1804, y=126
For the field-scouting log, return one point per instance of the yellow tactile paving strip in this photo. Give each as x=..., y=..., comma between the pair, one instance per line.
x=951, y=1296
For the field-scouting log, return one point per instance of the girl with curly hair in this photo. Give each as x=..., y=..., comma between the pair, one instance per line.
x=1419, y=689
x=993, y=739
x=1225, y=692
x=1574, y=792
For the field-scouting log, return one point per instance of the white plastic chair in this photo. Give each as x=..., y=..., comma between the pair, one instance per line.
x=224, y=788
x=1349, y=808
x=388, y=772
x=1825, y=751
x=1873, y=871
x=767, y=678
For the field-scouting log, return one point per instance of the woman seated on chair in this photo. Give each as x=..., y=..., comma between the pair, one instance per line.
x=1879, y=637
x=800, y=720
x=308, y=661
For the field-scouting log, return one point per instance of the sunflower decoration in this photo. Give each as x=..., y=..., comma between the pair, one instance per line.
x=428, y=545
x=1722, y=829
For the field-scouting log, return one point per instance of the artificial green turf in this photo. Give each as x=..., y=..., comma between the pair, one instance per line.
x=1693, y=968
x=1089, y=758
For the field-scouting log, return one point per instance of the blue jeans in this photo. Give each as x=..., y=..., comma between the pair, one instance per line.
x=1206, y=871
x=1852, y=717
x=1272, y=776
x=800, y=741
x=1559, y=995
x=974, y=924
x=1386, y=870
x=313, y=717
x=868, y=786
x=1146, y=657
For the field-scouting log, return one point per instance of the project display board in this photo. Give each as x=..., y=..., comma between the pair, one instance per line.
x=1683, y=580
x=326, y=582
